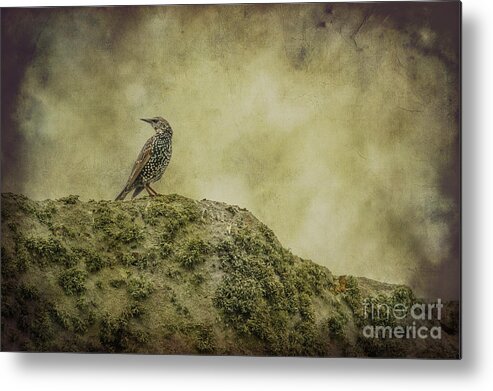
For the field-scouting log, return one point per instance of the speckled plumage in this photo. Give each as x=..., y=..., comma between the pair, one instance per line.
x=152, y=160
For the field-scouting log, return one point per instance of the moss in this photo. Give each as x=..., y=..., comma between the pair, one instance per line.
x=180, y=308
x=197, y=279
x=134, y=310
x=251, y=242
x=351, y=294
x=62, y=230
x=80, y=325
x=167, y=330
x=378, y=347
x=403, y=295
x=336, y=325
x=49, y=250
x=306, y=340
x=117, y=283
x=142, y=261
x=104, y=218
x=198, y=336
x=114, y=333
x=243, y=305
x=174, y=273
x=73, y=281
x=45, y=214
x=12, y=267
x=28, y=292
x=165, y=249
x=41, y=329
x=292, y=290
x=18, y=202
x=128, y=234
x=93, y=261
x=193, y=254
x=238, y=297
x=264, y=286
x=383, y=305
x=116, y=226
x=83, y=305
x=61, y=317
x=205, y=339
x=317, y=277
x=69, y=200
x=171, y=230
x=140, y=288
x=225, y=251
x=268, y=234
x=121, y=333
x=306, y=308
x=173, y=214
x=32, y=314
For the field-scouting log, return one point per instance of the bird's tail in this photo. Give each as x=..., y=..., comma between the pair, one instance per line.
x=122, y=195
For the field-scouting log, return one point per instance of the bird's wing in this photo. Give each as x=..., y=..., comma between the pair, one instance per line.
x=142, y=159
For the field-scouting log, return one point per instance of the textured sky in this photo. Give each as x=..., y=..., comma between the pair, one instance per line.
x=336, y=125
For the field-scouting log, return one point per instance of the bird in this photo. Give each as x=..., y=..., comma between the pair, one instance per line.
x=152, y=160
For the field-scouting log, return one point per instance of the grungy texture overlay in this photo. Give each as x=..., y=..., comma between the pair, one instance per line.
x=337, y=125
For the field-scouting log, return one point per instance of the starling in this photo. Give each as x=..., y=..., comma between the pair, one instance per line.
x=152, y=160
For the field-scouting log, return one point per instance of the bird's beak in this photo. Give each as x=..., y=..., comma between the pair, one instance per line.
x=146, y=120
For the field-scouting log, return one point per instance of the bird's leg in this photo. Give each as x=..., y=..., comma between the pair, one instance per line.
x=154, y=191
x=151, y=193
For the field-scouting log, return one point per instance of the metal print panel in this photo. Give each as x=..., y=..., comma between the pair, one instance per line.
x=268, y=179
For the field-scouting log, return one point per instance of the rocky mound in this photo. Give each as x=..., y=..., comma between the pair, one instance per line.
x=172, y=275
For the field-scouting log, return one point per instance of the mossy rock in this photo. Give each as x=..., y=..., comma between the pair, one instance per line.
x=173, y=275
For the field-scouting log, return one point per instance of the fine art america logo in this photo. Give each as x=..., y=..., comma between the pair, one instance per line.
x=394, y=321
